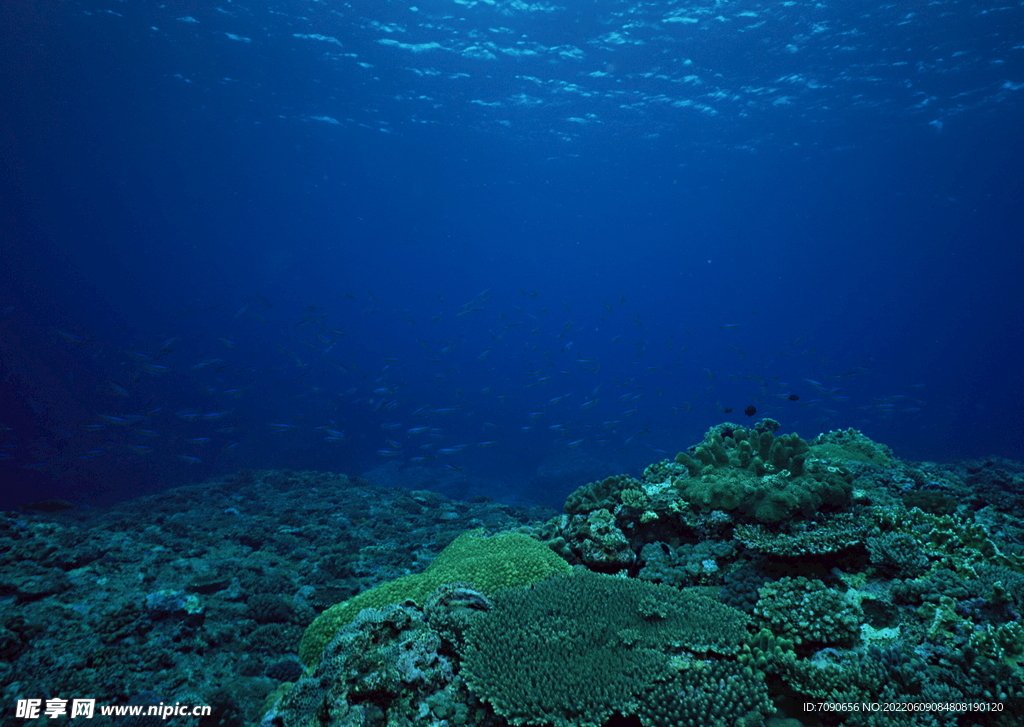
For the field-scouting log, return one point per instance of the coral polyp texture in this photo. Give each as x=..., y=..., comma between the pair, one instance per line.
x=574, y=649
x=486, y=563
x=764, y=477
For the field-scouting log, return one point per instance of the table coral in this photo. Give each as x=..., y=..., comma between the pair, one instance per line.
x=573, y=649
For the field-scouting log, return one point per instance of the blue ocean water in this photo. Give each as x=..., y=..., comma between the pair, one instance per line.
x=499, y=247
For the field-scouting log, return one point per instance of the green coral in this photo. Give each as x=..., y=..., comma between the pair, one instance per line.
x=708, y=694
x=837, y=533
x=604, y=494
x=573, y=649
x=936, y=503
x=599, y=543
x=930, y=587
x=386, y=668
x=766, y=652
x=959, y=542
x=1000, y=584
x=685, y=564
x=636, y=499
x=1003, y=643
x=664, y=471
x=766, y=477
x=850, y=444
x=898, y=554
x=881, y=676
x=487, y=563
x=450, y=609
x=808, y=612
x=756, y=450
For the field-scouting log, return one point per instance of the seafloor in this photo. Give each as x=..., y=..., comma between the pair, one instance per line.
x=752, y=576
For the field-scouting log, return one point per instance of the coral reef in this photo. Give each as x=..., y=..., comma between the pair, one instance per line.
x=557, y=653
x=382, y=667
x=715, y=694
x=807, y=611
x=486, y=563
x=163, y=598
x=765, y=477
x=756, y=572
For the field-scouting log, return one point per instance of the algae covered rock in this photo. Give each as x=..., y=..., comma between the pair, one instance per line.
x=385, y=668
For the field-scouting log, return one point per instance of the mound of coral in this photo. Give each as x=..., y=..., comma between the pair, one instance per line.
x=752, y=574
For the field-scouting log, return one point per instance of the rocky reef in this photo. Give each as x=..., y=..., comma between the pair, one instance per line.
x=730, y=586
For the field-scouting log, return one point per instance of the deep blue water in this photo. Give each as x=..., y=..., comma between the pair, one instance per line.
x=500, y=241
